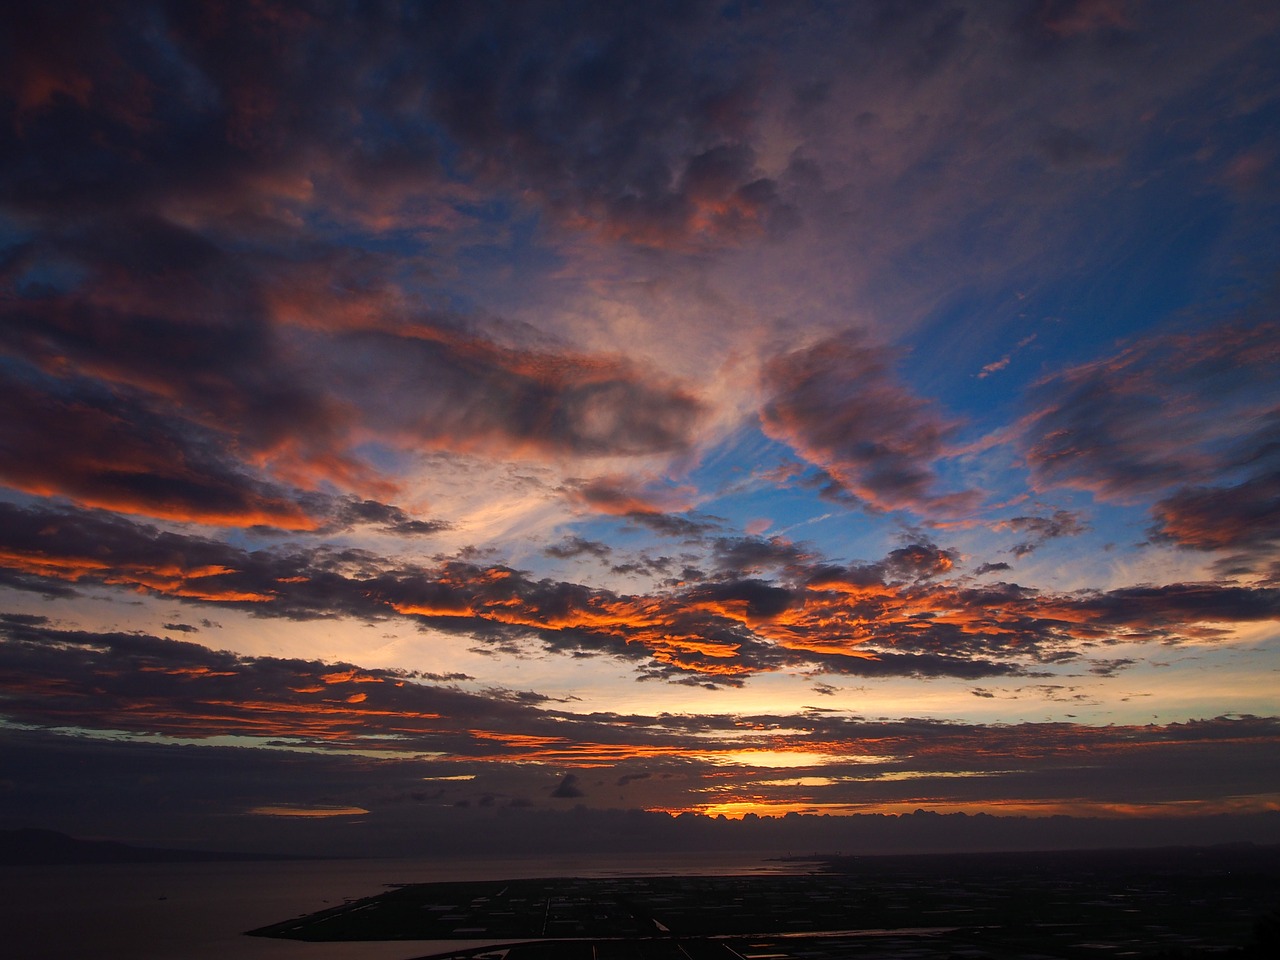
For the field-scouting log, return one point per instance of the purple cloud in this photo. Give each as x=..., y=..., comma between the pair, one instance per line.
x=840, y=406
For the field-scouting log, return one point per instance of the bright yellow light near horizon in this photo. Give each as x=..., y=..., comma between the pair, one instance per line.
x=737, y=809
x=786, y=759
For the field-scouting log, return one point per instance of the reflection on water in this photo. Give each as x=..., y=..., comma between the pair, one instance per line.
x=199, y=911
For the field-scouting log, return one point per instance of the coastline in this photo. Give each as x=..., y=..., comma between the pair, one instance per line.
x=201, y=910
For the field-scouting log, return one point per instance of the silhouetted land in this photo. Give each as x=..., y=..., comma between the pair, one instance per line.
x=31, y=847
x=1189, y=902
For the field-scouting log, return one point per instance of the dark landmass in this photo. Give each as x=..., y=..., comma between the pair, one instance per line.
x=1190, y=861
x=31, y=847
x=1183, y=902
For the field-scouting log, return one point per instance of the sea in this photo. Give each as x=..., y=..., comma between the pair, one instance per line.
x=201, y=911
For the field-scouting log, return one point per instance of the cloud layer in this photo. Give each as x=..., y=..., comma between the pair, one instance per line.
x=871, y=619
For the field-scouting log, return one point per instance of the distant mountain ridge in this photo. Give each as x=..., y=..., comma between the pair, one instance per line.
x=34, y=847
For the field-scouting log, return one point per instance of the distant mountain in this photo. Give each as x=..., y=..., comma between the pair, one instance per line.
x=31, y=847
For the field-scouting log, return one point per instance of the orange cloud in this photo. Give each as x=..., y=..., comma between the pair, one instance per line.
x=316, y=812
x=168, y=580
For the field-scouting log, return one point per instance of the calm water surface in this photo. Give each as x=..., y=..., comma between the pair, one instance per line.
x=200, y=911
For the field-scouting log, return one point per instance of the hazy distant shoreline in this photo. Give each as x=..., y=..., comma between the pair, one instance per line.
x=35, y=847
x=627, y=834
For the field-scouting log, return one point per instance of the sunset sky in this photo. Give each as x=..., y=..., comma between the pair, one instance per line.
x=713, y=407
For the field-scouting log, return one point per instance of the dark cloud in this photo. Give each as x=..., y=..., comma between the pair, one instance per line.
x=745, y=556
x=222, y=395
x=609, y=495
x=151, y=685
x=24, y=619
x=156, y=163
x=760, y=598
x=644, y=565
x=839, y=404
x=167, y=315
x=672, y=525
x=689, y=575
x=391, y=519
x=1187, y=418
x=109, y=449
x=1109, y=668
x=614, y=116
x=568, y=788
x=916, y=561
x=141, y=683
x=991, y=568
x=576, y=547
x=444, y=677
x=623, y=497
x=464, y=392
x=176, y=416
x=1039, y=530
x=1243, y=517
x=1164, y=607
x=919, y=561
x=830, y=489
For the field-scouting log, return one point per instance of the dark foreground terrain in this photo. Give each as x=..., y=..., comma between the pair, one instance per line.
x=1198, y=902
